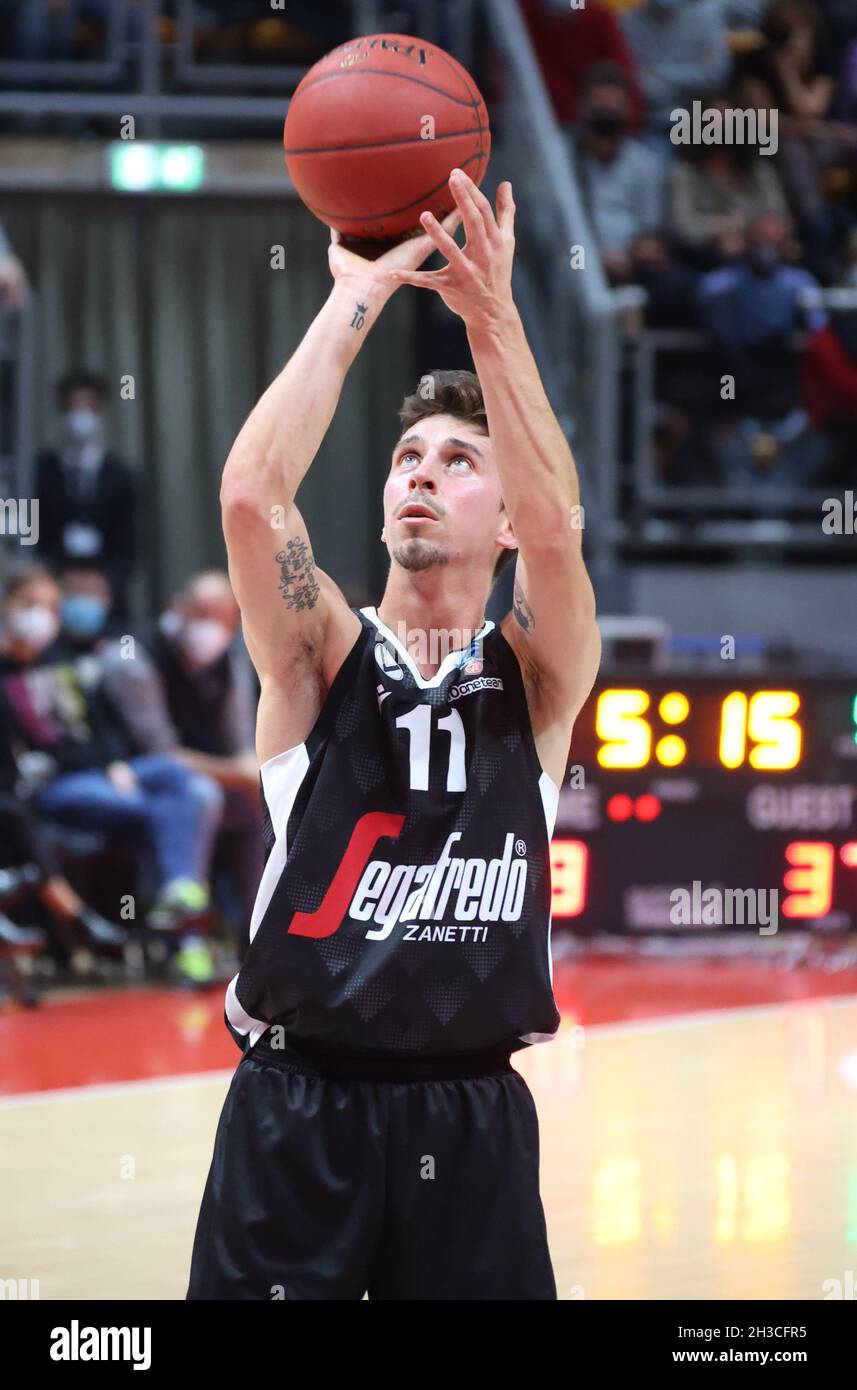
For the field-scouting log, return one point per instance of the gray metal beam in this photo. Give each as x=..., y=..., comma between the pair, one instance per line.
x=192, y=108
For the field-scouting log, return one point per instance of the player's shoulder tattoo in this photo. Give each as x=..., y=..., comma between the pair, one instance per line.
x=522, y=610
x=298, y=583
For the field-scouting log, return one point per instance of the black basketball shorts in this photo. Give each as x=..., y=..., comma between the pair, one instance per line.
x=326, y=1189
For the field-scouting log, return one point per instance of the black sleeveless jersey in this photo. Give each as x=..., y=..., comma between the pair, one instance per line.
x=405, y=906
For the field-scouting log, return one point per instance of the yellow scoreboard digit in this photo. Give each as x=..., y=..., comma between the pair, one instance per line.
x=759, y=730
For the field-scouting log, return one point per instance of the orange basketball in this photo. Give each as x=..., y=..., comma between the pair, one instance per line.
x=374, y=130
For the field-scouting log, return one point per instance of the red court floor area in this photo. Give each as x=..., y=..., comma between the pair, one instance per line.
x=131, y=1035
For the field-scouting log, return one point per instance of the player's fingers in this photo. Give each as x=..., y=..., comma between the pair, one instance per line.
x=335, y=236
x=474, y=223
x=423, y=279
x=482, y=206
x=441, y=238
x=505, y=207
x=452, y=221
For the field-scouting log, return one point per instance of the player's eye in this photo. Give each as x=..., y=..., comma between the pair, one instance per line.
x=407, y=456
x=462, y=458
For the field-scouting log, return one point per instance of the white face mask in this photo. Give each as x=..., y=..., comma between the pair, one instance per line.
x=37, y=626
x=82, y=426
x=203, y=640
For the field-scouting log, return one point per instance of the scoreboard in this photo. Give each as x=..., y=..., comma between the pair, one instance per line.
x=694, y=803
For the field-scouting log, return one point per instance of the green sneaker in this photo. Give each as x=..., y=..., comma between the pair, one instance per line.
x=187, y=895
x=193, y=963
x=181, y=898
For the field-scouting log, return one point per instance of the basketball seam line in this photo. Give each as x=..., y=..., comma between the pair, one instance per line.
x=386, y=144
x=381, y=72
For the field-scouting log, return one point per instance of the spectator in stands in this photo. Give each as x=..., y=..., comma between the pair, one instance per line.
x=716, y=191
x=87, y=600
x=762, y=298
x=681, y=49
x=752, y=310
x=829, y=381
x=86, y=494
x=793, y=73
x=13, y=277
x=28, y=863
x=189, y=691
x=620, y=180
x=567, y=42
x=668, y=281
x=793, y=64
x=91, y=778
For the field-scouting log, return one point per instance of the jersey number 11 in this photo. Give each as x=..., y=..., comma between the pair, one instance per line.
x=418, y=724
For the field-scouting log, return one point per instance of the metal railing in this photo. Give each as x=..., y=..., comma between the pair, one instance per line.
x=365, y=19
x=74, y=72
x=17, y=384
x=650, y=494
x=160, y=77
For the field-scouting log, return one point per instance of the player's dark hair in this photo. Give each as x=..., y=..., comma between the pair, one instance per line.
x=455, y=393
x=80, y=381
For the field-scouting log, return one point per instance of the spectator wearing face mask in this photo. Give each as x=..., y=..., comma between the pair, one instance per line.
x=86, y=494
x=794, y=73
x=620, y=180
x=59, y=729
x=27, y=859
x=87, y=602
x=190, y=691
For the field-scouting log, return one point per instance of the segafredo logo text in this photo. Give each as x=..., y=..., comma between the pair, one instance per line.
x=374, y=890
x=467, y=890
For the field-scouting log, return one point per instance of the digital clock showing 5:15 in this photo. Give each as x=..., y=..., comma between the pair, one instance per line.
x=712, y=724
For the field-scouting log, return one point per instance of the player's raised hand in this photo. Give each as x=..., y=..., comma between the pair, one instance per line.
x=347, y=263
x=476, y=282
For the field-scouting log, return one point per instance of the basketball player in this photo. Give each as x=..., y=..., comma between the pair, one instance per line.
x=375, y=1136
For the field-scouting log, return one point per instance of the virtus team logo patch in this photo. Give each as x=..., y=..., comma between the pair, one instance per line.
x=388, y=660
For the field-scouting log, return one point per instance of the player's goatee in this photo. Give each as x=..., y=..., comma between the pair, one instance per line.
x=417, y=554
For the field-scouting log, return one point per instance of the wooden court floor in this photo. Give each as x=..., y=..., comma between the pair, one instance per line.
x=703, y=1155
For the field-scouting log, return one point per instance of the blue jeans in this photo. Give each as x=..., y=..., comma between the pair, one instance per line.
x=801, y=459
x=175, y=810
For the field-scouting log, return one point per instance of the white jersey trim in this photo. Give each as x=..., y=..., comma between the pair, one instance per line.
x=281, y=780
x=449, y=663
x=550, y=803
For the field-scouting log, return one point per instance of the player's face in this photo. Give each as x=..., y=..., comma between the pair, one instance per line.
x=446, y=467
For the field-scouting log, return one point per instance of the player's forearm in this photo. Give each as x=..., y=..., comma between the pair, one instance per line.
x=538, y=478
x=285, y=429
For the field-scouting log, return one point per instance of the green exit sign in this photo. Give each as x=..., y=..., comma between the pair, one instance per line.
x=138, y=166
